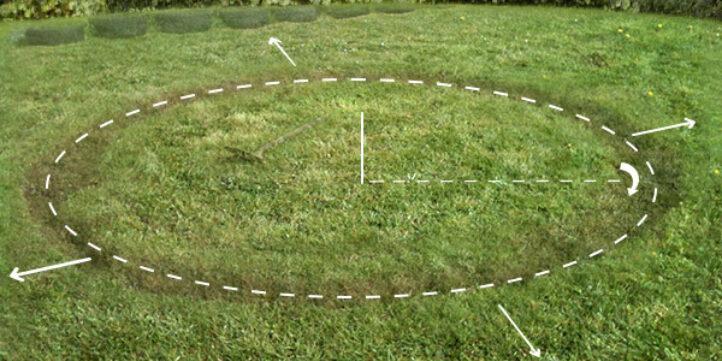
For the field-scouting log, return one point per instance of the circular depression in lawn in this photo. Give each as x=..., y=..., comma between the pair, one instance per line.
x=460, y=188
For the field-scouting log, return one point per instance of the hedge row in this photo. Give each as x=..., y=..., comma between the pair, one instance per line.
x=187, y=21
x=37, y=9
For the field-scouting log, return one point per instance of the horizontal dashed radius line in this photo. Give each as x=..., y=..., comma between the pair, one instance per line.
x=202, y=283
x=569, y=264
x=642, y=220
x=286, y=295
x=376, y=181
x=445, y=181
x=608, y=130
x=343, y=297
x=472, y=88
x=243, y=86
x=174, y=277
x=542, y=181
x=518, y=181
x=514, y=280
x=187, y=96
x=358, y=79
x=497, y=181
x=654, y=195
x=488, y=285
x=315, y=297
x=590, y=181
x=81, y=138
x=52, y=209
x=329, y=80
x=423, y=181
x=120, y=259
x=458, y=290
x=132, y=112
x=373, y=297
x=160, y=104
x=429, y=293
x=614, y=181
x=300, y=81
x=71, y=231
x=229, y=288
x=59, y=157
x=565, y=181
x=632, y=146
x=272, y=83
x=402, y=295
x=596, y=253
x=216, y=91
x=581, y=117
x=620, y=239
x=556, y=107
x=258, y=292
x=146, y=269
x=542, y=273
x=387, y=80
x=443, y=85
x=416, y=82
x=500, y=93
x=95, y=247
x=398, y=181
x=47, y=182
x=471, y=181
x=528, y=100
x=649, y=166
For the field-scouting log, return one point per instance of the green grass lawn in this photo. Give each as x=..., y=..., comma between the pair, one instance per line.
x=259, y=189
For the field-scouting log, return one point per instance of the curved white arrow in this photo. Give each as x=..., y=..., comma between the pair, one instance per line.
x=629, y=169
x=277, y=43
x=533, y=350
x=18, y=276
x=689, y=123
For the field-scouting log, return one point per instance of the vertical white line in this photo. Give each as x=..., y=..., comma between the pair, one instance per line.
x=362, y=147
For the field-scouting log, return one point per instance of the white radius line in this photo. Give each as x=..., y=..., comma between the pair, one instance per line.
x=215, y=91
x=458, y=290
x=472, y=88
x=429, y=293
x=343, y=297
x=174, y=277
x=147, y=269
x=500, y=93
x=488, y=285
x=229, y=288
x=71, y=231
x=202, y=283
x=358, y=79
x=387, y=80
x=542, y=273
x=620, y=239
x=52, y=209
x=47, y=182
x=373, y=297
x=300, y=81
x=315, y=297
x=528, y=100
x=634, y=148
x=258, y=292
x=187, y=96
x=443, y=85
x=93, y=246
x=272, y=83
x=327, y=80
x=514, y=280
x=596, y=253
x=243, y=86
x=160, y=104
x=120, y=259
x=570, y=264
x=556, y=107
x=416, y=82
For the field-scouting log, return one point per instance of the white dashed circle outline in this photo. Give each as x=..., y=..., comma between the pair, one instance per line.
x=347, y=297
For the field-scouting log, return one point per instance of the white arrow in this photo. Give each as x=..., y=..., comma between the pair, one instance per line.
x=277, y=43
x=629, y=169
x=689, y=123
x=533, y=350
x=18, y=276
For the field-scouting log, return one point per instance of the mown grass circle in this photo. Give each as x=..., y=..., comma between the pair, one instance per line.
x=260, y=189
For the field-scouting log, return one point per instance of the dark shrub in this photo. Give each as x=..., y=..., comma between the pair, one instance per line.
x=245, y=18
x=296, y=14
x=183, y=21
x=390, y=8
x=347, y=11
x=53, y=35
x=119, y=26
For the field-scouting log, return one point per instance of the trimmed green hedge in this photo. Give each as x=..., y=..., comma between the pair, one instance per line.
x=390, y=8
x=346, y=11
x=183, y=21
x=53, y=35
x=119, y=26
x=245, y=18
x=295, y=14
